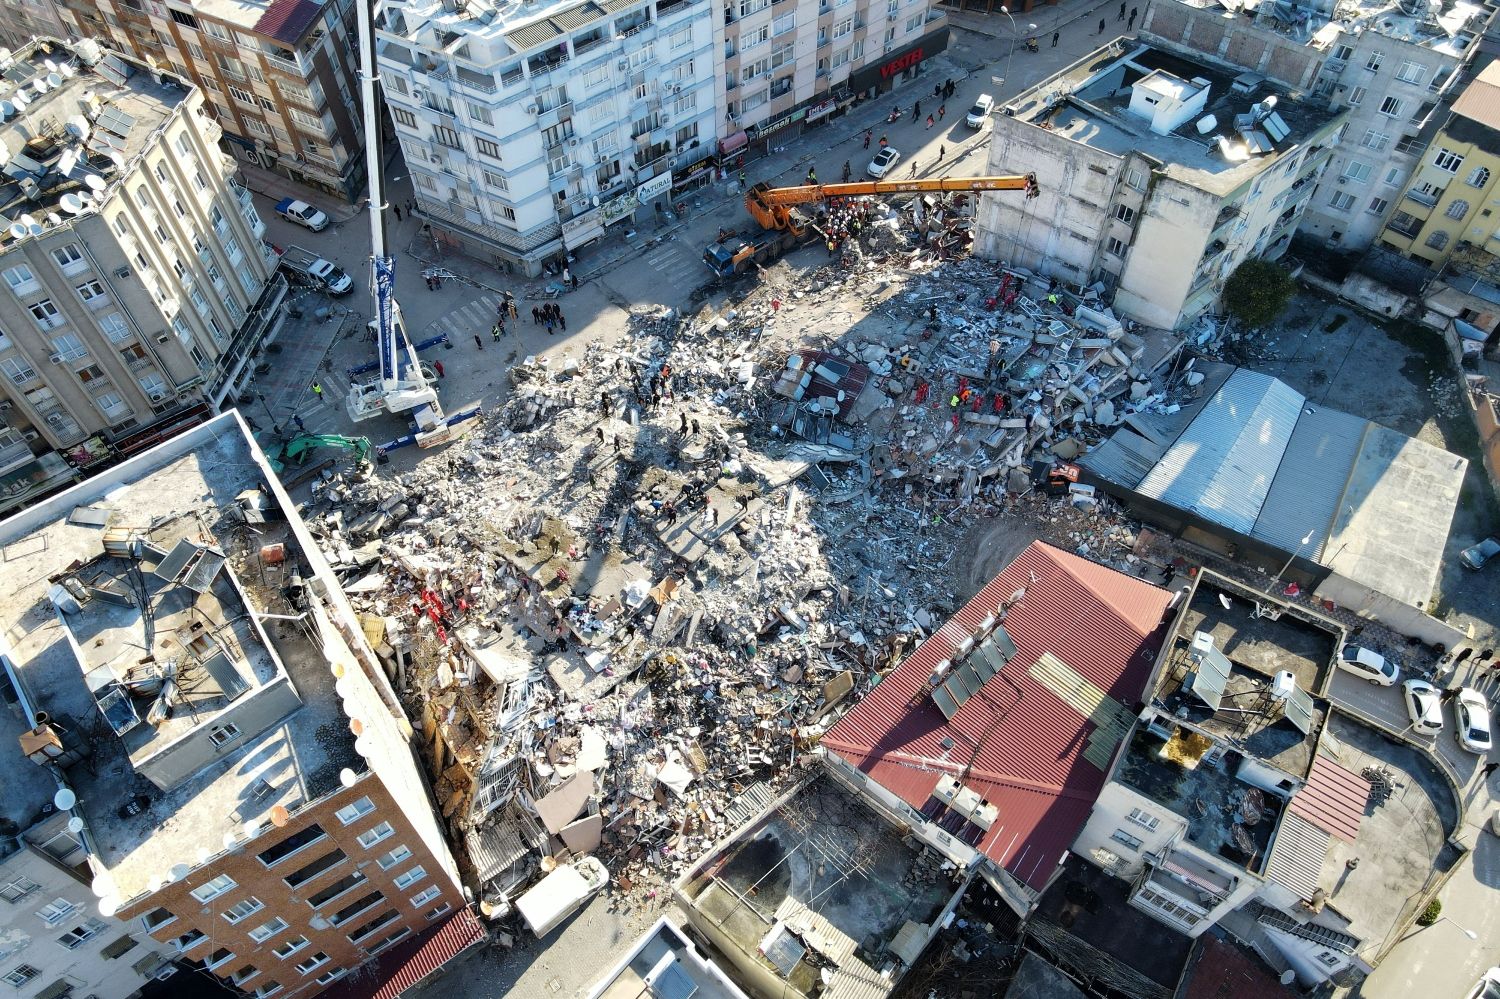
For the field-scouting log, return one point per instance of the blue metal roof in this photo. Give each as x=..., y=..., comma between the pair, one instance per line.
x=1222, y=466
x=1305, y=493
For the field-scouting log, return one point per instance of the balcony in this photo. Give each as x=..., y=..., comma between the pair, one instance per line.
x=781, y=88
x=226, y=45
x=671, y=8
x=552, y=117
x=484, y=83
x=1404, y=225
x=588, y=44
x=288, y=66
x=1424, y=198
x=13, y=456
x=634, y=29
x=546, y=62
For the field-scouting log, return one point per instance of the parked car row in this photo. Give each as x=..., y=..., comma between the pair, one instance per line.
x=1424, y=701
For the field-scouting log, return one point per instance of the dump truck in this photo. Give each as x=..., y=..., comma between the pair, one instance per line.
x=312, y=269
x=735, y=255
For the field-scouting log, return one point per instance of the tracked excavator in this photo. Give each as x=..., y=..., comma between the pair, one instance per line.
x=785, y=226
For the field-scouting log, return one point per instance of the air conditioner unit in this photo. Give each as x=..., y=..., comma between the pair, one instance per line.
x=55, y=418
x=166, y=972
x=163, y=338
x=572, y=142
x=5, y=406
x=624, y=65
x=531, y=109
x=123, y=272
x=158, y=397
x=30, y=435
x=677, y=88
x=55, y=358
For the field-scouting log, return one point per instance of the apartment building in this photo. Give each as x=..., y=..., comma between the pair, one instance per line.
x=1449, y=202
x=528, y=129
x=531, y=128
x=25, y=20
x=1386, y=68
x=55, y=942
x=239, y=770
x=279, y=75
x=1159, y=174
x=136, y=286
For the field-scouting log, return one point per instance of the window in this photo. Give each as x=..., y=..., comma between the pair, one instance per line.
x=220, y=734
x=81, y=933
x=333, y=891
x=1438, y=240
x=1375, y=61
x=1392, y=177
x=1143, y=818
x=243, y=96
x=243, y=908
x=1341, y=201
x=1410, y=72
x=1378, y=206
x=153, y=384
x=292, y=844
x=487, y=148
x=112, y=405
x=426, y=895
x=1135, y=179
x=1356, y=96
x=384, y=919
x=409, y=878
x=290, y=947
x=68, y=256
x=1343, y=53
x=243, y=975
x=1115, y=246
x=1479, y=177
x=494, y=180
x=90, y=291
x=1124, y=838
x=268, y=989
x=268, y=929
x=183, y=18
x=440, y=910
x=20, y=278
x=156, y=919
x=218, y=958
x=56, y=911
x=20, y=887
x=330, y=976
x=1391, y=106
x=1457, y=209
x=46, y=314
x=388, y=941
x=215, y=888
x=1125, y=214
x=843, y=28
x=1356, y=171
x=20, y=975
x=1447, y=159
x=311, y=963
x=478, y=112
x=393, y=857
x=380, y=833
x=189, y=940
x=780, y=26
x=446, y=136
x=1375, y=140
x=403, y=117
x=354, y=810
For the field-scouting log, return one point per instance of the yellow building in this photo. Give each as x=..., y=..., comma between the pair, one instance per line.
x=1453, y=198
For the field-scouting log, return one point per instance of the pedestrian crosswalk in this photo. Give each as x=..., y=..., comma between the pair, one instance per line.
x=677, y=262
x=477, y=317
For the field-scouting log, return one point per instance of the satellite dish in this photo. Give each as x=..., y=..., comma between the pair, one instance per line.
x=94, y=182
x=28, y=220
x=252, y=829
x=51, y=66
x=64, y=799
x=54, y=219
x=109, y=906
x=230, y=841
x=18, y=231
x=37, y=229
x=1288, y=977
x=179, y=871
x=348, y=777
x=117, y=158
x=21, y=99
x=75, y=824
x=40, y=85
x=71, y=203
x=54, y=80
x=280, y=816
x=100, y=886
x=204, y=853
x=7, y=110
x=356, y=726
x=364, y=746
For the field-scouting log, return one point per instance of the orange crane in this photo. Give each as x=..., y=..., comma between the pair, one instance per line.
x=772, y=206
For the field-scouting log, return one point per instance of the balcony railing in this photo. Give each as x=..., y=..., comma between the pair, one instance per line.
x=579, y=48
x=13, y=456
x=1410, y=230
x=287, y=66
x=482, y=82
x=635, y=29
x=1423, y=198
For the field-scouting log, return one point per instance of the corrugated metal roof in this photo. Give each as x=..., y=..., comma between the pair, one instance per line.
x=1305, y=493
x=1480, y=100
x=576, y=17
x=1103, y=624
x=533, y=35
x=412, y=962
x=1297, y=856
x=495, y=847
x=1125, y=459
x=1222, y=465
x=288, y=20
x=1333, y=799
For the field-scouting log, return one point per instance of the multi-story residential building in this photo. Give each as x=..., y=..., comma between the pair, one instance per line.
x=52, y=937
x=25, y=20
x=1387, y=69
x=1159, y=174
x=280, y=75
x=136, y=283
x=1449, y=203
x=239, y=771
x=529, y=129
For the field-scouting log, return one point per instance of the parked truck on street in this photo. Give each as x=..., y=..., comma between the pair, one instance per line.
x=313, y=269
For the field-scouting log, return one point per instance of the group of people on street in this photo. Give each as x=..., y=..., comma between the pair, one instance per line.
x=549, y=315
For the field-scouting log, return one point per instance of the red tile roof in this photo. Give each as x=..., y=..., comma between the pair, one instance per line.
x=288, y=20
x=1223, y=971
x=408, y=964
x=1029, y=760
x=1333, y=799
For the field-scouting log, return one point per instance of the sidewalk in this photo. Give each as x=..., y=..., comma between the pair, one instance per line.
x=1060, y=18
x=270, y=184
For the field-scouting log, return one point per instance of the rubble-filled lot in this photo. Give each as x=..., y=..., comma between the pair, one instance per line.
x=622, y=611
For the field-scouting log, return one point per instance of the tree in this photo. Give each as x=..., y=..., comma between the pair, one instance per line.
x=1430, y=914
x=1258, y=291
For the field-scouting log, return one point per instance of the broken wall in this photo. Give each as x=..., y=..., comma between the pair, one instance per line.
x=1172, y=230
x=1207, y=31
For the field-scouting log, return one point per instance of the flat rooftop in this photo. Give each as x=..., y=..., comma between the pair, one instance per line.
x=1449, y=27
x=1257, y=647
x=822, y=851
x=665, y=963
x=186, y=487
x=1089, y=104
x=58, y=157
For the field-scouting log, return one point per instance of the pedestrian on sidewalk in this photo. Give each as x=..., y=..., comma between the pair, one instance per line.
x=937, y=88
x=742, y=178
x=1489, y=768
x=913, y=171
x=942, y=151
x=1054, y=39
x=510, y=304
x=1101, y=25
x=868, y=132
x=1448, y=695
x=1133, y=12
x=942, y=110
x=317, y=391
x=300, y=425
x=550, y=323
x=916, y=110
x=562, y=320
x=1122, y=11
x=497, y=331
x=1462, y=654
x=478, y=342
x=847, y=171
x=397, y=210
x=883, y=142
x=930, y=121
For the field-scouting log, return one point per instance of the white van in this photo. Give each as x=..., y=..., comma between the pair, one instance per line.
x=560, y=894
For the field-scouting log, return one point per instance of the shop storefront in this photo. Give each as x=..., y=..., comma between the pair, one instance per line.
x=900, y=67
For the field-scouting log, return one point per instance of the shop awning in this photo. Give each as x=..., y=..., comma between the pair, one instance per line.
x=736, y=141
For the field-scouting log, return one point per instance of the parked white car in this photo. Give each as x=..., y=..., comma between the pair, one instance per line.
x=1471, y=718
x=884, y=162
x=1368, y=665
x=1424, y=706
x=980, y=112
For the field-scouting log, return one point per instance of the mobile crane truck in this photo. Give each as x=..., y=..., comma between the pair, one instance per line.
x=785, y=226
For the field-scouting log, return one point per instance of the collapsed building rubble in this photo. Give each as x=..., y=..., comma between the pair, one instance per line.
x=623, y=610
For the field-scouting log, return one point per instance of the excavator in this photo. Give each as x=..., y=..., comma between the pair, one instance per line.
x=297, y=450
x=784, y=226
